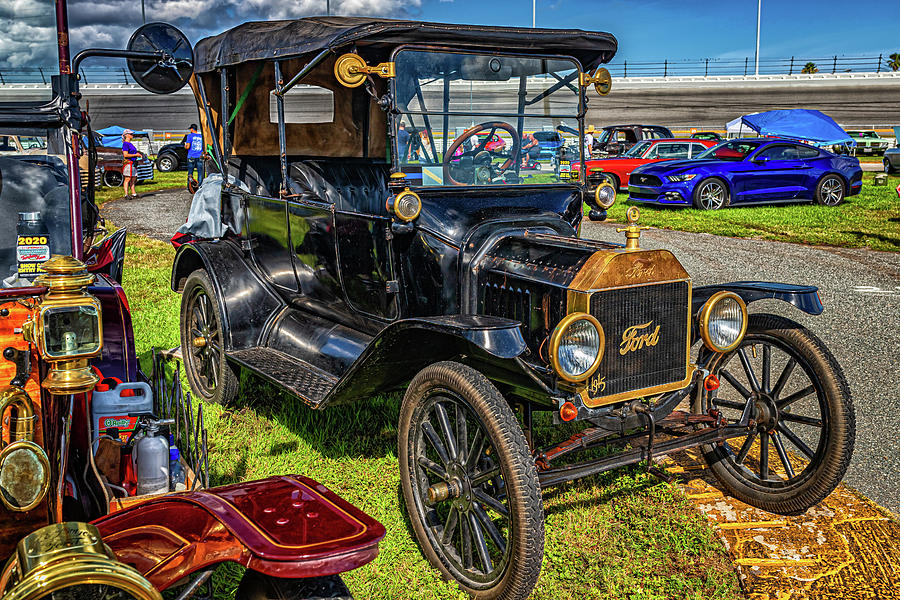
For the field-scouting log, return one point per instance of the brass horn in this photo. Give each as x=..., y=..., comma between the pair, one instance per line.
x=24, y=467
x=70, y=558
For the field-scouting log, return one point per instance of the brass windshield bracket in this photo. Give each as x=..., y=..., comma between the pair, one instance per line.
x=601, y=80
x=351, y=70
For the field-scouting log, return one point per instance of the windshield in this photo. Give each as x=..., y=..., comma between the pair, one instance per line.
x=472, y=119
x=638, y=149
x=869, y=135
x=35, y=198
x=734, y=150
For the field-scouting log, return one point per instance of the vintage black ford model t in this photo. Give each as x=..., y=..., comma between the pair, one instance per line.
x=381, y=230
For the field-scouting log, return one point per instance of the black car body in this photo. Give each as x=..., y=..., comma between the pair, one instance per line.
x=348, y=268
x=171, y=157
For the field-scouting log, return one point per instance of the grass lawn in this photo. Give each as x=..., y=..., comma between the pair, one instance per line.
x=619, y=535
x=161, y=181
x=868, y=220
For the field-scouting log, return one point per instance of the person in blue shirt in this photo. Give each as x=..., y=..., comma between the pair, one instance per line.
x=193, y=143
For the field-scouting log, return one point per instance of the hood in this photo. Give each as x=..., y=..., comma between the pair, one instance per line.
x=670, y=166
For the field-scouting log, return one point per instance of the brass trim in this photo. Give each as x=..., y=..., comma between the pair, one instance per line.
x=633, y=231
x=604, y=206
x=73, y=376
x=601, y=80
x=703, y=320
x=69, y=554
x=658, y=389
x=557, y=335
x=69, y=301
x=393, y=201
x=616, y=268
x=351, y=70
x=45, y=464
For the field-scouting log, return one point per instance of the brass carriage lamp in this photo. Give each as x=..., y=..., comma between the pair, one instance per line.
x=66, y=326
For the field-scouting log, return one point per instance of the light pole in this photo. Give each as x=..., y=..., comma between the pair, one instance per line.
x=143, y=14
x=758, y=17
x=533, y=13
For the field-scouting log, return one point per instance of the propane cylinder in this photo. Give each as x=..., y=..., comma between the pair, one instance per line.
x=151, y=460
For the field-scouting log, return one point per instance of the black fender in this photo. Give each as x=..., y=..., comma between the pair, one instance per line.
x=491, y=345
x=804, y=297
x=246, y=302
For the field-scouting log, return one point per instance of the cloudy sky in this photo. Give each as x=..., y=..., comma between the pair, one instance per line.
x=648, y=30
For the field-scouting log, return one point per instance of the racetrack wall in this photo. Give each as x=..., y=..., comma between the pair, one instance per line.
x=674, y=102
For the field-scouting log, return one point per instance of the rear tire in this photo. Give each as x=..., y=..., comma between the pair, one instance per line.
x=830, y=190
x=112, y=178
x=711, y=194
x=887, y=166
x=256, y=586
x=166, y=163
x=470, y=484
x=202, y=349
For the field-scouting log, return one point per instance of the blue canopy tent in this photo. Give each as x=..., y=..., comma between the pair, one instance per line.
x=111, y=137
x=801, y=124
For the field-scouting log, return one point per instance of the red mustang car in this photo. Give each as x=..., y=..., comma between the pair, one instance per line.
x=617, y=170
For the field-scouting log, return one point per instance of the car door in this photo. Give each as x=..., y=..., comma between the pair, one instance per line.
x=774, y=172
x=270, y=244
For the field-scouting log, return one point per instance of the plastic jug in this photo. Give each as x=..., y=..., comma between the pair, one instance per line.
x=151, y=460
x=111, y=404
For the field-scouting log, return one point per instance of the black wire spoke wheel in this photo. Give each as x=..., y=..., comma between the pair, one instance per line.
x=201, y=342
x=802, y=430
x=469, y=482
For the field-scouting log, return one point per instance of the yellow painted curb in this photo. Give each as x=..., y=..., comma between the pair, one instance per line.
x=845, y=547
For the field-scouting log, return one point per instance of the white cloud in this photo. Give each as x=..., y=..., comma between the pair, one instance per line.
x=27, y=27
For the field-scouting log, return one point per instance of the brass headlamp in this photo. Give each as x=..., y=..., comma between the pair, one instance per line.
x=70, y=558
x=66, y=326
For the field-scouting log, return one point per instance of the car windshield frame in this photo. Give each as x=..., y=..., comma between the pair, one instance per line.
x=425, y=119
x=710, y=152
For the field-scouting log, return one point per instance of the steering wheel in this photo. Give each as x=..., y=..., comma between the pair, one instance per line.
x=482, y=166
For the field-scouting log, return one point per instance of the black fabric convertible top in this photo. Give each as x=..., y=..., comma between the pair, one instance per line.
x=258, y=40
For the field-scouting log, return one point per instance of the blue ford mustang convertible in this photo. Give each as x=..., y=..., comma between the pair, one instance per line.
x=747, y=171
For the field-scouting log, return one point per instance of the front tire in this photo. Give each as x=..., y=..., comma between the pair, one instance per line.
x=887, y=166
x=830, y=191
x=805, y=426
x=208, y=372
x=612, y=180
x=470, y=484
x=256, y=586
x=711, y=194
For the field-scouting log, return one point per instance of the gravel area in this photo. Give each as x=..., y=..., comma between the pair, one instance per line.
x=861, y=325
x=861, y=322
x=154, y=214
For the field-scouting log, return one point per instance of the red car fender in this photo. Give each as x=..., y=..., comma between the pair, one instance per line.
x=289, y=526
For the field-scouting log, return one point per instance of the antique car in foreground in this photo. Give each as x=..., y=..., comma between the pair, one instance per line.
x=337, y=272
x=103, y=477
x=749, y=171
x=617, y=170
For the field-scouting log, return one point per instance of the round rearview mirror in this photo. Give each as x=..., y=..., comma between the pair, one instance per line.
x=173, y=64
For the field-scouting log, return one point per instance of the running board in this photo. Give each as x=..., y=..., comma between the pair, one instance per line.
x=300, y=378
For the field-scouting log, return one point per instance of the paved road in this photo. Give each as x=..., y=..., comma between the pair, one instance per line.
x=861, y=324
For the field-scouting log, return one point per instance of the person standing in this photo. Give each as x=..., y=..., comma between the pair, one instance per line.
x=402, y=142
x=531, y=149
x=193, y=143
x=588, y=141
x=129, y=169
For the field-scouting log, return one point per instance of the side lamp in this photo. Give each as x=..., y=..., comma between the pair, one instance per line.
x=66, y=326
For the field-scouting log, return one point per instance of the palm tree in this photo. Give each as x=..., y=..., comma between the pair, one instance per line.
x=894, y=63
x=809, y=68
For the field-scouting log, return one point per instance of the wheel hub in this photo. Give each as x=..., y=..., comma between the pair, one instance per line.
x=766, y=412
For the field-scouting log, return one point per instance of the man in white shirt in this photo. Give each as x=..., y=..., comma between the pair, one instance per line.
x=588, y=141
